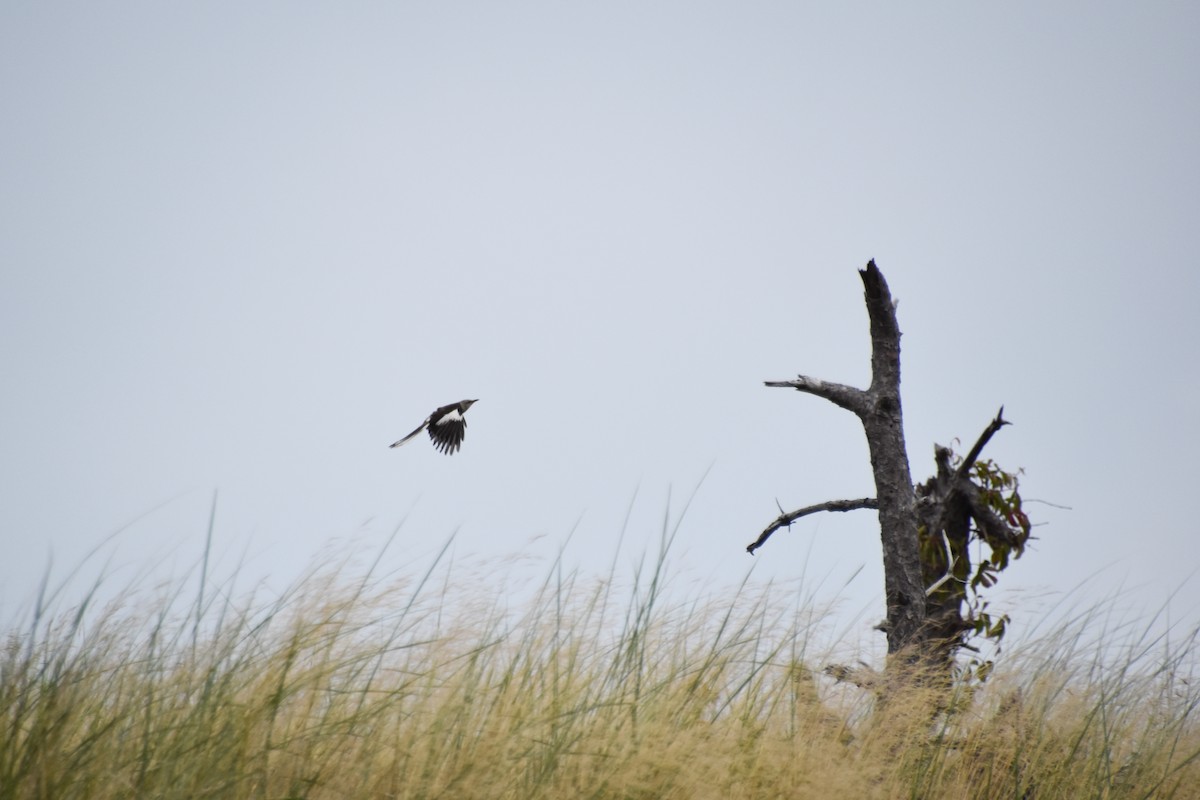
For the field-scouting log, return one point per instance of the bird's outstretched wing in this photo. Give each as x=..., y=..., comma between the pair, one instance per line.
x=420, y=428
x=447, y=432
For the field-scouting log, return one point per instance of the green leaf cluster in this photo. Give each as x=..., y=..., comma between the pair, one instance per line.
x=1000, y=490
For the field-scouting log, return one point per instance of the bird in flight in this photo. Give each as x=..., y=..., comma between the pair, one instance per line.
x=447, y=427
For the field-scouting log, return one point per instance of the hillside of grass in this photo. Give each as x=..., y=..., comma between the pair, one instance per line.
x=439, y=683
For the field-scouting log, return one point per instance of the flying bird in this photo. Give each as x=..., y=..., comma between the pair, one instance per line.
x=447, y=427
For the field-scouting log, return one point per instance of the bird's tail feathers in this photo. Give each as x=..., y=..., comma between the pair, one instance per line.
x=407, y=438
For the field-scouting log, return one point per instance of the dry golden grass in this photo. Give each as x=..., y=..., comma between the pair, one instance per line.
x=350, y=687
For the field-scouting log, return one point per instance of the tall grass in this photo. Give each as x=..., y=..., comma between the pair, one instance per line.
x=357, y=685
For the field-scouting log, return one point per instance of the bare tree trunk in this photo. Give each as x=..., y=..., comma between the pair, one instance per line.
x=884, y=426
x=879, y=409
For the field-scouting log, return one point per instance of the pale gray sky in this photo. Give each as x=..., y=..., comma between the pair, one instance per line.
x=245, y=246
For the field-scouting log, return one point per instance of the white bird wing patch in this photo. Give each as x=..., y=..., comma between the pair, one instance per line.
x=451, y=418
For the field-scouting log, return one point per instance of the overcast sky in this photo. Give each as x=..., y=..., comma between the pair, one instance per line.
x=245, y=246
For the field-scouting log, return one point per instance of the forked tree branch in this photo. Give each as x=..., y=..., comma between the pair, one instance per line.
x=785, y=520
x=954, y=486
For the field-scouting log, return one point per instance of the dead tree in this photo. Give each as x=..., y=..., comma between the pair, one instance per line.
x=924, y=530
x=878, y=407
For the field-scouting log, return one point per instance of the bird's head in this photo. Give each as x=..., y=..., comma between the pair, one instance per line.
x=468, y=403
